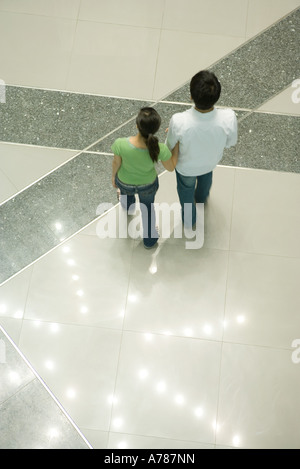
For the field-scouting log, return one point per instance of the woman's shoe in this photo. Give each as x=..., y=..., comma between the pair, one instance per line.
x=155, y=244
x=151, y=247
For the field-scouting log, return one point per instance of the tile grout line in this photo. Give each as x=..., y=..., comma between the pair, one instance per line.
x=19, y=390
x=159, y=334
x=224, y=310
x=247, y=18
x=122, y=330
x=9, y=180
x=73, y=44
x=158, y=49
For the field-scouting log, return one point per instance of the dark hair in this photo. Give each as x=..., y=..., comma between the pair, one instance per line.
x=205, y=89
x=148, y=122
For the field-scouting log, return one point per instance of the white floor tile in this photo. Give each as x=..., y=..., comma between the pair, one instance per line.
x=195, y=16
x=124, y=441
x=266, y=217
x=24, y=164
x=90, y=279
x=262, y=301
x=78, y=364
x=108, y=59
x=218, y=209
x=167, y=387
x=7, y=188
x=182, y=54
x=189, y=287
x=263, y=13
x=12, y=328
x=97, y=438
x=55, y=8
x=259, y=405
x=140, y=13
x=13, y=295
x=42, y=57
x=286, y=102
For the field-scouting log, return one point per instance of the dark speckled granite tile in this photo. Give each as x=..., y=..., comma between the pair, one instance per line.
x=165, y=110
x=23, y=237
x=28, y=418
x=61, y=119
x=262, y=67
x=59, y=205
x=104, y=145
x=266, y=141
x=258, y=69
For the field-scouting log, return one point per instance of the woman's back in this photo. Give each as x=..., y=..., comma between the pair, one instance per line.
x=137, y=166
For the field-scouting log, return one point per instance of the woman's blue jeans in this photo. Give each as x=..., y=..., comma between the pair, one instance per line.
x=146, y=195
x=192, y=189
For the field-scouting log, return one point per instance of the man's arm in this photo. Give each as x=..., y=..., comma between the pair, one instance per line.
x=233, y=134
x=175, y=153
x=171, y=163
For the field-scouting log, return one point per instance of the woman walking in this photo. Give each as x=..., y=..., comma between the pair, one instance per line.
x=133, y=169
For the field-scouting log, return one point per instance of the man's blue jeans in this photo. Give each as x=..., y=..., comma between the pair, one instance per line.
x=192, y=189
x=146, y=195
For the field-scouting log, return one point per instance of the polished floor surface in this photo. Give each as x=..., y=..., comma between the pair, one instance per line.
x=104, y=344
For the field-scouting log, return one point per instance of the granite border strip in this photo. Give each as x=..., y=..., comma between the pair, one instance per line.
x=61, y=119
x=79, y=152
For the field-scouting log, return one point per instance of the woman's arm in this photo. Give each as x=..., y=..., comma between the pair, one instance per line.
x=116, y=164
x=172, y=162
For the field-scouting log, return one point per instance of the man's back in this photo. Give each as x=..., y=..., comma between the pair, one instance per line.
x=202, y=137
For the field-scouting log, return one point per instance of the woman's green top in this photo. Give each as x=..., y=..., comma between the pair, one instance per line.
x=137, y=167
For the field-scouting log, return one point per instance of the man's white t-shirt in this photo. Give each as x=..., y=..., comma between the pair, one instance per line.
x=202, y=138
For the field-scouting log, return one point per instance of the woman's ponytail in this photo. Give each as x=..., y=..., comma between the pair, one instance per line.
x=153, y=147
x=148, y=122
